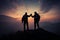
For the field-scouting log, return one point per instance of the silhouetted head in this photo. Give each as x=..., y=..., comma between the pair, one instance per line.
x=25, y=13
x=35, y=12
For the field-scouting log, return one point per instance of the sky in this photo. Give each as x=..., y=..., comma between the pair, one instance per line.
x=49, y=10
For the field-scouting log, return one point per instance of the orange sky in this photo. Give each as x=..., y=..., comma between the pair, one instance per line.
x=20, y=10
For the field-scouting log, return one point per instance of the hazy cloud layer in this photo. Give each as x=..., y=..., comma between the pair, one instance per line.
x=6, y=5
x=46, y=5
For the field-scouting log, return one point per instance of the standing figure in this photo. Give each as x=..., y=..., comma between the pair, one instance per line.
x=36, y=20
x=25, y=21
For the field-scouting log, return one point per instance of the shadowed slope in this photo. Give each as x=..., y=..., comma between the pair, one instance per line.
x=32, y=35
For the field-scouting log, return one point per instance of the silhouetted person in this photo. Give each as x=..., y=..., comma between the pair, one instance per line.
x=36, y=20
x=25, y=21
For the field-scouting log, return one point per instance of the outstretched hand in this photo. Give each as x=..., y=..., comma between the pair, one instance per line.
x=30, y=14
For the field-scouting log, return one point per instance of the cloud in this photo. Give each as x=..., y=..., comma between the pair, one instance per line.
x=46, y=5
x=6, y=5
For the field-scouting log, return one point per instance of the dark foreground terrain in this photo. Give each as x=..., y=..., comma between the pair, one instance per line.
x=31, y=35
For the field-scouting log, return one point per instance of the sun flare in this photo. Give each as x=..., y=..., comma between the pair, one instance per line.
x=20, y=11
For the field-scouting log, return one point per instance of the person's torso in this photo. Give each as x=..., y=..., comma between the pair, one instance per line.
x=36, y=18
x=26, y=18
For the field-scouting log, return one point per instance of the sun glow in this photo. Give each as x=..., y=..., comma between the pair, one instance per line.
x=20, y=11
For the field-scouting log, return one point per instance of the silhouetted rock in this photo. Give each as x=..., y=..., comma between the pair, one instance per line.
x=32, y=35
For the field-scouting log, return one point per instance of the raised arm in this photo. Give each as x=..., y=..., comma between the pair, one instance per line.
x=28, y=15
x=32, y=16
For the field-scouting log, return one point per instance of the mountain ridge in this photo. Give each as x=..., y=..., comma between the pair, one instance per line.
x=32, y=34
